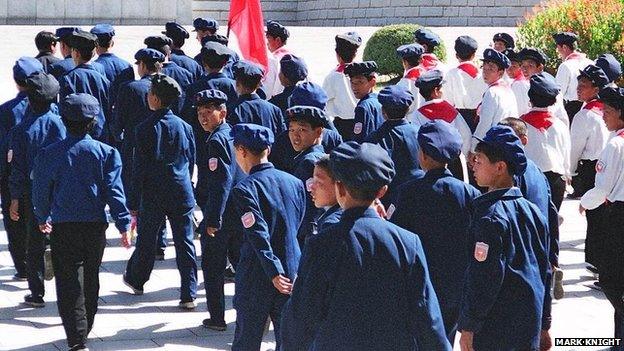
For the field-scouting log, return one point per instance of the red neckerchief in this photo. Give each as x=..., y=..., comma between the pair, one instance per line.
x=541, y=120
x=470, y=68
x=621, y=133
x=594, y=105
x=341, y=67
x=413, y=73
x=429, y=62
x=439, y=110
x=575, y=56
x=519, y=76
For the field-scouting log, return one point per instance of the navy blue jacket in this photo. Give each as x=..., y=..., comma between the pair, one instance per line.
x=85, y=78
x=221, y=174
x=117, y=70
x=179, y=57
x=363, y=284
x=33, y=133
x=304, y=169
x=131, y=109
x=227, y=69
x=437, y=207
x=282, y=153
x=250, y=108
x=271, y=205
x=11, y=114
x=368, y=117
x=281, y=100
x=163, y=163
x=183, y=77
x=327, y=218
x=400, y=139
x=74, y=179
x=505, y=283
x=60, y=68
x=47, y=59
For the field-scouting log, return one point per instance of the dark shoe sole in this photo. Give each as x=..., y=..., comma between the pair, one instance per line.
x=135, y=291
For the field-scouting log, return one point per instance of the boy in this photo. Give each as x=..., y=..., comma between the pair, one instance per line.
x=411, y=56
x=517, y=81
x=178, y=34
x=505, y=284
x=60, y=68
x=502, y=42
x=73, y=181
x=363, y=283
x=271, y=205
x=292, y=71
x=368, y=116
x=464, y=85
x=161, y=187
x=437, y=207
x=276, y=35
x=323, y=193
x=250, y=108
x=549, y=138
x=39, y=128
x=46, y=45
x=429, y=40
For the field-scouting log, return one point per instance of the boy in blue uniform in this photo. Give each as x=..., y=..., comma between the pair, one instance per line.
x=84, y=78
x=39, y=128
x=178, y=34
x=46, y=45
x=218, y=38
x=363, y=283
x=323, y=193
x=73, y=180
x=505, y=285
x=437, y=206
x=292, y=70
x=397, y=135
x=220, y=227
x=305, y=127
x=161, y=186
x=60, y=68
x=250, y=108
x=368, y=115
x=11, y=113
x=117, y=70
x=271, y=205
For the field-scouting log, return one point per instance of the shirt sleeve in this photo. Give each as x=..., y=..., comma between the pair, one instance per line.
x=19, y=168
x=608, y=167
x=218, y=183
x=115, y=193
x=579, y=134
x=486, y=117
x=139, y=167
x=465, y=133
x=42, y=187
x=563, y=78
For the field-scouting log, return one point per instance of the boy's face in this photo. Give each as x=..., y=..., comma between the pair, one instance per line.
x=530, y=67
x=612, y=118
x=273, y=43
x=361, y=86
x=210, y=116
x=491, y=72
x=513, y=70
x=499, y=45
x=302, y=135
x=322, y=189
x=485, y=172
x=585, y=90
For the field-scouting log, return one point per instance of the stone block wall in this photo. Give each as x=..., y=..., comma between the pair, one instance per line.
x=284, y=11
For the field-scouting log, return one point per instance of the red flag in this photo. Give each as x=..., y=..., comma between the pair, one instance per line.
x=247, y=23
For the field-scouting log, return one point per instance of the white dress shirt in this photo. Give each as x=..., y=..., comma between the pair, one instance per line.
x=498, y=102
x=588, y=133
x=609, y=185
x=548, y=146
x=568, y=72
x=464, y=86
x=341, y=101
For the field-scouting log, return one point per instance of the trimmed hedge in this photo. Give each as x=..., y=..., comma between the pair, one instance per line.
x=381, y=47
x=599, y=24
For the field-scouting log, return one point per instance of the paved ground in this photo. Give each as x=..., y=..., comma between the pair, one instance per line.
x=153, y=321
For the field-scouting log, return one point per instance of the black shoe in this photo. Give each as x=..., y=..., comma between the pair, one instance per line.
x=135, y=291
x=79, y=347
x=20, y=276
x=592, y=269
x=159, y=255
x=34, y=301
x=210, y=324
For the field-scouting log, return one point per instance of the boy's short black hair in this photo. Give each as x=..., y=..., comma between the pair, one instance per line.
x=346, y=51
x=44, y=40
x=413, y=61
x=541, y=101
x=494, y=155
x=361, y=194
x=395, y=113
x=215, y=61
x=79, y=127
x=426, y=91
x=86, y=53
x=249, y=82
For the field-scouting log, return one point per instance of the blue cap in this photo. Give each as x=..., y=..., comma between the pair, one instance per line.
x=352, y=38
x=565, y=38
x=313, y=115
x=175, y=30
x=394, y=97
x=430, y=79
x=613, y=96
x=157, y=41
x=410, y=50
x=293, y=68
x=365, y=68
x=79, y=107
x=596, y=75
x=512, y=55
x=149, y=55
x=275, y=29
x=533, y=54
x=426, y=36
x=505, y=38
x=103, y=30
x=42, y=86
x=245, y=68
x=465, y=45
x=491, y=55
x=366, y=166
x=503, y=138
x=217, y=38
x=308, y=94
x=610, y=66
x=544, y=85
x=210, y=96
x=165, y=86
x=82, y=39
x=25, y=66
x=63, y=33
x=205, y=24
x=252, y=136
x=212, y=48
x=440, y=140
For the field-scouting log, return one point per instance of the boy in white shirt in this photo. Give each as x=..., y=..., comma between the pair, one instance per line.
x=518, y=82
x=429, y=40
x=411, y=57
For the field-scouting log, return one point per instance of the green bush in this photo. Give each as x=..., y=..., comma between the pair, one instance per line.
x=599, y=24
x=381, y=47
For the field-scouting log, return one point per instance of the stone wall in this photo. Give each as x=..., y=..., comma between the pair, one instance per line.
x=284, y=11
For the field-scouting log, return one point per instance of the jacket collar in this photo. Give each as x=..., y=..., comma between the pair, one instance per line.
x=358, y=212
x=311, y=149
x=252, y=96
x=438, y=173
x=499, y=194
x=261, y=167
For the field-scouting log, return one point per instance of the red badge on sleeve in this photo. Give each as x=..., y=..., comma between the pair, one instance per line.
x=481, y=251
x=248, y=220
x=213, y=163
